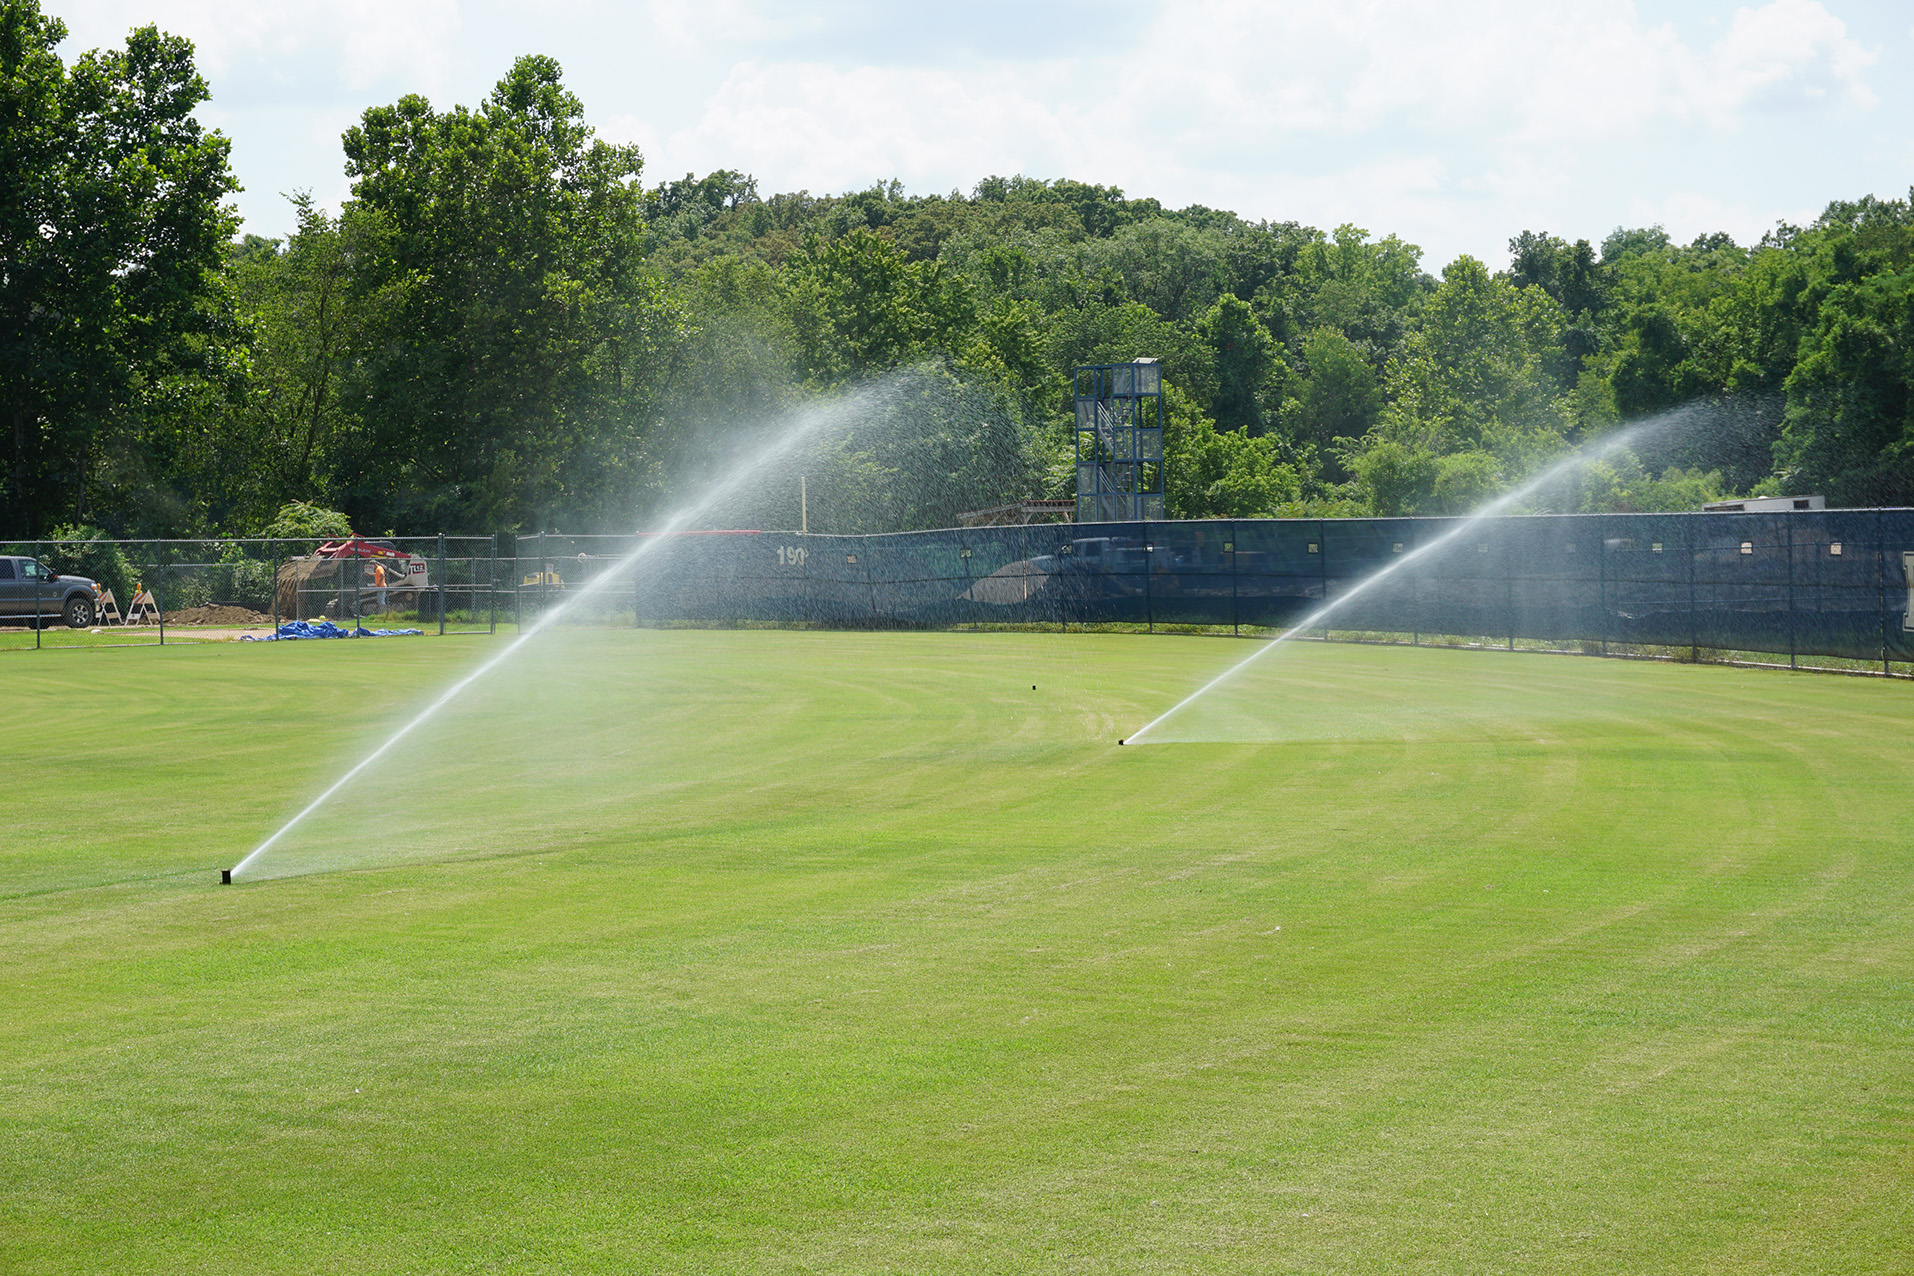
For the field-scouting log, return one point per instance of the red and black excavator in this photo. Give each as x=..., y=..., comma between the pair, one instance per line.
x=351, y=569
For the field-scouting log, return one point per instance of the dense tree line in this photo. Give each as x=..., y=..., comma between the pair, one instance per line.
x=505, y=328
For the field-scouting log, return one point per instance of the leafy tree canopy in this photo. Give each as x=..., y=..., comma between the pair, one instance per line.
x=505, y=329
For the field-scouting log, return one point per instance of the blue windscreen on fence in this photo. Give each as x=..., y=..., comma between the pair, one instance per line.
x=1833, y=583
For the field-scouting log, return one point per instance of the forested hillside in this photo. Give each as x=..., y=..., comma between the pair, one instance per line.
x=508, y=328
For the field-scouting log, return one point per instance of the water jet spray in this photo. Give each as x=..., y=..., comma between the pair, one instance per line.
x=1581, y=456
x=804, y=428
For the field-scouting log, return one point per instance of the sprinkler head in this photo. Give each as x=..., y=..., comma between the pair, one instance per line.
x=225, y=877
x=1119, y=742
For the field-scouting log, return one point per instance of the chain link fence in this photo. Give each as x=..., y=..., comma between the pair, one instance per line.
x=1835, y=588
x=159, y=592
x=1832, y=588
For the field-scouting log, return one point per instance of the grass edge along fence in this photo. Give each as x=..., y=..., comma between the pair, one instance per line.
x=162, y=592
x=1833, y=586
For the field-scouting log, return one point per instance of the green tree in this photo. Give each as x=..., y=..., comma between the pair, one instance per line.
x=1338, y=397
x=1371, y=292
x=1395, y=478
x=112, y=233
x=1484, y=370
x=1175, y=269
x=304, y=521
x=514, y=379
x=1850, y=419
x=314, y=315
x=1213, y=473
x=1243, y=360
x=859, y=306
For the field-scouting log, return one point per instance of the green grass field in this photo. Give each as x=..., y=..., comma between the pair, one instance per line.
x=809, y=952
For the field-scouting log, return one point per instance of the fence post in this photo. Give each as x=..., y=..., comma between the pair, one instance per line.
x=1322, y=565
x=1601, y=575
x=442, y=584
x=39, y=621
x=1235, y=608
x=1792, y=645
x=491, y=587
x=1694, y=616
x=1508, y=581
x=159, y=585
x=1149, y=601
x=1880, y=584
x=272, y=557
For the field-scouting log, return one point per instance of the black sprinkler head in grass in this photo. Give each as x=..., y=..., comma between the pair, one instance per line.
x=225, y=877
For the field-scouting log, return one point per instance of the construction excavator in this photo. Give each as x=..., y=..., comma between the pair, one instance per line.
x=348, y=572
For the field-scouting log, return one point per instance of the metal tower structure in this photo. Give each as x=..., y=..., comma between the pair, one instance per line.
x=1119, y=442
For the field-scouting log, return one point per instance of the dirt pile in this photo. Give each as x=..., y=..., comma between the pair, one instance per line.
x=218, y=614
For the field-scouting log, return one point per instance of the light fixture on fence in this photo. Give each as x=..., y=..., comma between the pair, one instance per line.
x=1834, y=548
x=1747, y=547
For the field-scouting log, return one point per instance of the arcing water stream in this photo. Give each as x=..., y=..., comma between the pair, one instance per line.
x=1592, y=452
x=804, y=428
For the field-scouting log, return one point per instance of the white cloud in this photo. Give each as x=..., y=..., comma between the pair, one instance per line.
x=697, y=26
x=1453, y=122
x=1688, y=213
x=1786, y=53
x=1369, y=110
x=813, y=125
x=361, y=40
x=1510, y=66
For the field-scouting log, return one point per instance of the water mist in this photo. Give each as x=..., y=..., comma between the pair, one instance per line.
x=806, y=428
x=1591, y=452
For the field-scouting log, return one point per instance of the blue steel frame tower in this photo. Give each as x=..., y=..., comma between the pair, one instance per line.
x=1119, y=442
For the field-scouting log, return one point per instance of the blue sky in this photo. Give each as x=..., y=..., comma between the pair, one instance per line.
x=1454, y=124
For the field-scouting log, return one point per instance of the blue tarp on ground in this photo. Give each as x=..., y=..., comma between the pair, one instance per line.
x=326, y=629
